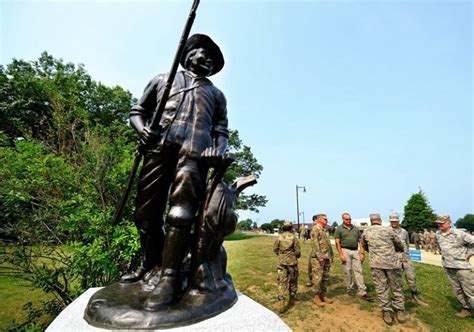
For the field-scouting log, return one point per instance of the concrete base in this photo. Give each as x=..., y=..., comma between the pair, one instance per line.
x=245, y=315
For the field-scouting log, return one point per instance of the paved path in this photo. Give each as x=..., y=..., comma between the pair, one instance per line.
x=428, y=257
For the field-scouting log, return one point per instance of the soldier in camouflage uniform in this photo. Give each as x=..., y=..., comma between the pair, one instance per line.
x=426, y=239
x=434, y=247
x=383, y=244
x=303, y=232
x=456, y=248
x=405, y=257
x=310, y=273
x=422, y=240
x=287, y=248
x=321, y=258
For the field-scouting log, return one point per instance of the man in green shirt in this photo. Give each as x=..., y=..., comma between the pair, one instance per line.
x=352, y=255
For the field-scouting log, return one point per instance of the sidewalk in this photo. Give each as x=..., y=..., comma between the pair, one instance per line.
x=428, y=257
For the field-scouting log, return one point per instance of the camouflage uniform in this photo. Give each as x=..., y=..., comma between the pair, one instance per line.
x=434, y=247
x=426, y=239
x=456, y=247
x=422, y=240
x=321, y=249
x=405, y=259
x=287, y=248
x=385, y=264
x=303, y=232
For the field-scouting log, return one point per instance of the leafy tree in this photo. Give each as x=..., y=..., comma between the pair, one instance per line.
x=335, y=224
x=466, y=222
x=418, y=214
x=245, y=164
x=276, y=223
x=267, y=227
x=245, y=224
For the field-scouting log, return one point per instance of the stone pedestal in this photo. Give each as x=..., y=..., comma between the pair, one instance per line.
x=245, y=315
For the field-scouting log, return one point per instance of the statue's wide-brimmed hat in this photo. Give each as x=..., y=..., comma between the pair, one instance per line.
x=200, y=40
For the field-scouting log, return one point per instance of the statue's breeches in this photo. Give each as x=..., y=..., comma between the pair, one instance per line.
x=185, y=176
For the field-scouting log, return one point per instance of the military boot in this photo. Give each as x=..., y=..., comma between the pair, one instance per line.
x=318, y=301
x=417, y=299
x=464, y=313
x=387, y=317
x=281, y=306
x=402, y=316
x=292, y=301
x=325, y=298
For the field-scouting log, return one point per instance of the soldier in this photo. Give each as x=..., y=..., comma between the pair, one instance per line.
x=303, y=232
x=348, y=244
x=456, y=248
x=321, y=258
x=405, y=258
x=310, y=275
x=433, y=245
x=416, y=240
x=383, y=245
x=287, y=248
x=426, y=239
x=422, y=240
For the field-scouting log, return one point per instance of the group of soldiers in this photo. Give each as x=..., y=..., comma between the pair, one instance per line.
x=389, y=257
x=425, y=240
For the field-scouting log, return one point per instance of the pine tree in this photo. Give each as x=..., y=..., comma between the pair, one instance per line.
x=418, y=214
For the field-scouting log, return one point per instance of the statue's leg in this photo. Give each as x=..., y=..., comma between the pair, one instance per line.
x=152, y=194
x=186, y=193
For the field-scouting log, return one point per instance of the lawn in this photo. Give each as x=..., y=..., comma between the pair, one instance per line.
x=252, y=265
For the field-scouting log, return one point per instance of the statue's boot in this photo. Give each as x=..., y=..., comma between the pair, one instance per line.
x=152, y=247
x=168, y=288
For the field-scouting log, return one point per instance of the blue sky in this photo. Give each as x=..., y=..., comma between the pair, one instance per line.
x=361, y=102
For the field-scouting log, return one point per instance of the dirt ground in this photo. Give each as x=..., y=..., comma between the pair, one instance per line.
x=345, y=314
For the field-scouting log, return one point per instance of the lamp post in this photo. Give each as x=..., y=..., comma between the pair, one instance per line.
x=298, y=204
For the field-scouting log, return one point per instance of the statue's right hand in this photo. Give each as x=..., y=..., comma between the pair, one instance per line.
x=148, y=136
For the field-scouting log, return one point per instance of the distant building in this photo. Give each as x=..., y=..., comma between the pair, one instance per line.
x=363, y=223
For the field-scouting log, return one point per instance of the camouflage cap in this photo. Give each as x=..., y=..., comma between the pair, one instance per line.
x=394, y=217
x=287, y=223
x=322, y=215
x=374, y=216
x=442, y=218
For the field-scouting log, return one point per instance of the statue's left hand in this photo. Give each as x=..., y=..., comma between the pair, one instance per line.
x=212, y=156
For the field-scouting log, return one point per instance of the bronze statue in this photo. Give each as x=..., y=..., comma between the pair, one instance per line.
x=183, y=131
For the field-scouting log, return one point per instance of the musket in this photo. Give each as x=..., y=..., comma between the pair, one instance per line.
x=154, y=123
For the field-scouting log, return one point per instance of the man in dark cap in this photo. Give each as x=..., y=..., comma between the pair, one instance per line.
x=192, y=135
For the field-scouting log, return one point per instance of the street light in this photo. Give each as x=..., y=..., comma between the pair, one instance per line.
x=298, y=204
x=302, y=213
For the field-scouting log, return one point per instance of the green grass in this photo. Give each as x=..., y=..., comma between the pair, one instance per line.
x=236, y=236
x=252, y=265
x=15, y=293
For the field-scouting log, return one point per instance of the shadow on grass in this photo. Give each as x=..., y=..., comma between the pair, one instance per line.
x=237, y=236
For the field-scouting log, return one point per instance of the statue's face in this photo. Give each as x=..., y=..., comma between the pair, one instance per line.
x=199, y=62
